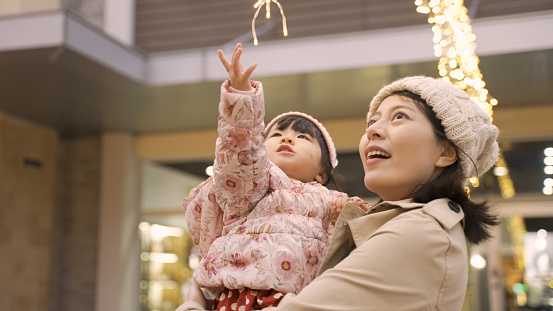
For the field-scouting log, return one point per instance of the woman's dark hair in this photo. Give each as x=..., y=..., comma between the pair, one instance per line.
x=304, y=126
x=450, y=183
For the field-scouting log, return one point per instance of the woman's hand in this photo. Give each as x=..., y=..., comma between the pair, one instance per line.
x=239, y=79
x=196, y=294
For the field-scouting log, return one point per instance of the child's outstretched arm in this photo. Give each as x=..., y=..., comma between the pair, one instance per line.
x=241, y=167
x=239, y=79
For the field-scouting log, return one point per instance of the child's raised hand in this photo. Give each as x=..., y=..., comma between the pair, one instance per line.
x=362, y=204
x=337, y=203
x=239, y=79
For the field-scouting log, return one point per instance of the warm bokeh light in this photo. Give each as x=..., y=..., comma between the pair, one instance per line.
x=500, y=171
x=165, y=231
x=548, y=170
x=477, y=261
x=163, y=257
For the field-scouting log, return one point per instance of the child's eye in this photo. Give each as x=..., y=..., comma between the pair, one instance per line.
x=371, y=122
x=303, y=137
x=276, y=135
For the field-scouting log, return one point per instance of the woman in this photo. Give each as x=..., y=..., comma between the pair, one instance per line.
x=424, y=138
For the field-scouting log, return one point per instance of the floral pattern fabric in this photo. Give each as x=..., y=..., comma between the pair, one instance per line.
x=253, y=225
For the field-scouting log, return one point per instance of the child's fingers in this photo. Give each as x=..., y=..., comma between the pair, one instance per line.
x=365, y=206
x=338, y=203
x=224, y=60
x=250, y=70
x=362, y=204
x=236, y=58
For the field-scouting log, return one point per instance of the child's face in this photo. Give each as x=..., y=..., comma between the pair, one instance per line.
x=399, y=149
x=297, y=154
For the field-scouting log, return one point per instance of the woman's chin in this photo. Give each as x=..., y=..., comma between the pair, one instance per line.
x=369, y=184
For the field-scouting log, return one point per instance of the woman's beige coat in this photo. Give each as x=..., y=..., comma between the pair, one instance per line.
x=399, y=256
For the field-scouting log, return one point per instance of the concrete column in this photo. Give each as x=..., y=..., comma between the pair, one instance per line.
x=119, y=20
x=27, y=197
x=118, y=253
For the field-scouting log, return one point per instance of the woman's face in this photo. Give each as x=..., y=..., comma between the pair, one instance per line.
x=399, y=149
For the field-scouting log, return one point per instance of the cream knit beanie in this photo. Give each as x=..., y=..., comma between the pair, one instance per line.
x=326, y=135
x=465, y=123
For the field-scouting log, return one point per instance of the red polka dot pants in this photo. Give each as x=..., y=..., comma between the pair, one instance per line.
x=247, y=299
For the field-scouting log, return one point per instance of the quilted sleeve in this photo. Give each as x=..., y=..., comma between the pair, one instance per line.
x=241, y=168
x=204, y=217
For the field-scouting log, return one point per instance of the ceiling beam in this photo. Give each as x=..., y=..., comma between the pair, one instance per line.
x=495, y=35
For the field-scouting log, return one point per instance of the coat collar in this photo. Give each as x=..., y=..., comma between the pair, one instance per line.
x=363, y=226
x=354, y=226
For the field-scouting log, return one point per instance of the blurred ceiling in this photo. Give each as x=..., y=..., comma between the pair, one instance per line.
x=65, y=90
x=168, y=25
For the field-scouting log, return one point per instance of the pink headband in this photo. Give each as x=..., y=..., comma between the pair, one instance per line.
x=326, y=135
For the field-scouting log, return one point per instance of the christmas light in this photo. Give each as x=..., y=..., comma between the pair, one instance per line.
x=267, y=3
x=454, y=44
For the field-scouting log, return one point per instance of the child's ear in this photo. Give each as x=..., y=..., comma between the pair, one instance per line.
x=322, y=177
x=448, y=155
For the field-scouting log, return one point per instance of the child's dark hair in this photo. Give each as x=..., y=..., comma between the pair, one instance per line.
x=450, y=183
x=305, y=126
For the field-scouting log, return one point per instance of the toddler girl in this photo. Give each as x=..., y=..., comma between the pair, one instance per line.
x=262, y=223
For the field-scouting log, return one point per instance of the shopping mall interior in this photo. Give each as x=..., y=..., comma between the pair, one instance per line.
x=108, y=119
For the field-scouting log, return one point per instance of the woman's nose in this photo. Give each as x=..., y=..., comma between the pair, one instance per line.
x=375, y=130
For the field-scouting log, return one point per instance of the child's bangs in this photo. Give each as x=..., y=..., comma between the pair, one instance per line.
x=297, y=124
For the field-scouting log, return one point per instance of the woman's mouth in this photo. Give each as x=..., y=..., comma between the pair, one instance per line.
x=377, y=154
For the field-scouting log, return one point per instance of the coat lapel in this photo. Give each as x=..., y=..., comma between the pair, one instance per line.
x=355, y=226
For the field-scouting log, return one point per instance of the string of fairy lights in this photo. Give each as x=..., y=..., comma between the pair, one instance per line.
x=454, y=44
x=267, y=3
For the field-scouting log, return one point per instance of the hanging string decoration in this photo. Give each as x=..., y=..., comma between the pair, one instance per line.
x=267, y=3
x=454, y=44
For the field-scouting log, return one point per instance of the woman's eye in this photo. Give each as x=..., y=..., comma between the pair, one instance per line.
x=399, y=115
x=371, y=122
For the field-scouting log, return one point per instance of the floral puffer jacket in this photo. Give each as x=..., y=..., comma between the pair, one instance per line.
x=253, y=225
